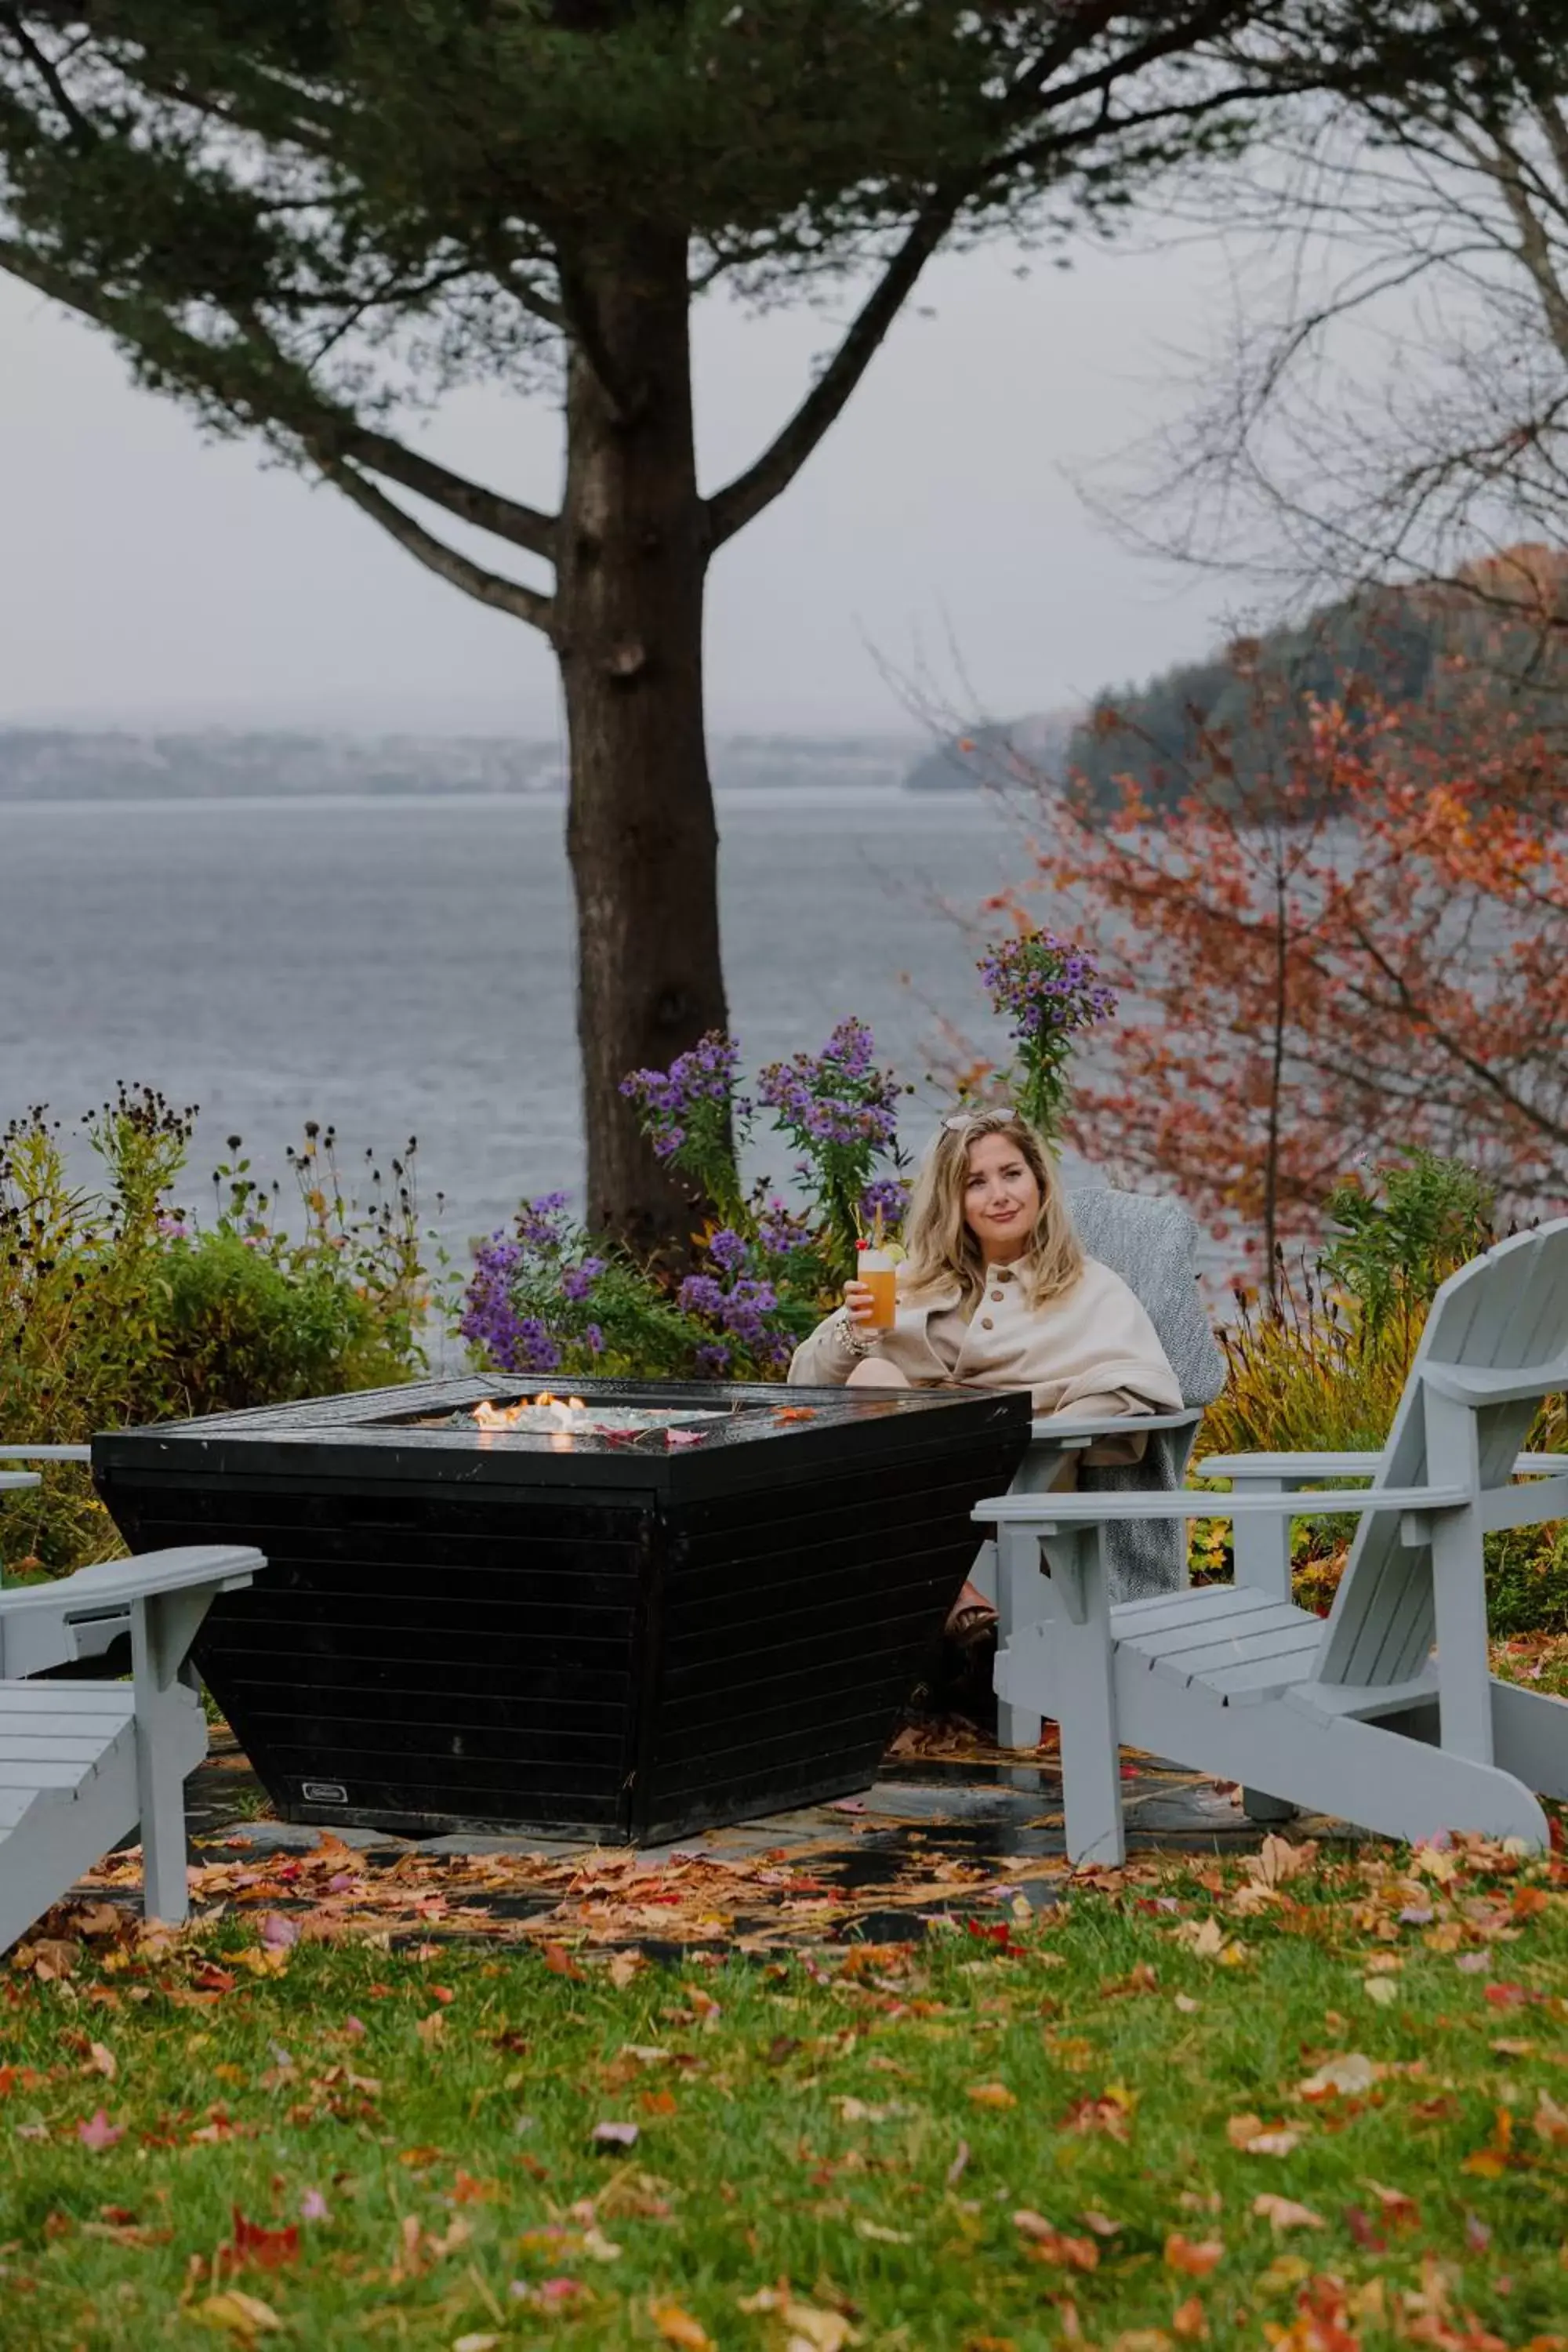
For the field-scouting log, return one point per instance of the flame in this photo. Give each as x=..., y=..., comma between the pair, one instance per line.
x=568, y=1412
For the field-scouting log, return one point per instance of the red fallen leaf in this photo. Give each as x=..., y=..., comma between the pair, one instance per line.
x=794, y=1413
x=657, y=2102
x=989, y=1933
x=1359, y=2223
x=560, y=1963
x=469, y=2190
x=443, y=1993
x=209, y=1978
x=267, y=2250
x=1049, y=2244
x=97, y=2133
x=1322, y=2323
x=1507, y=1995
x=1196, y=2259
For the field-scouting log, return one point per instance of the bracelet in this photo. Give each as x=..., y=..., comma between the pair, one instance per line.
x=859, y=1343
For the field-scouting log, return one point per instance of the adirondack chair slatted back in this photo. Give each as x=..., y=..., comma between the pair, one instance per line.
x=1508, y=1310
x=1152, y=1245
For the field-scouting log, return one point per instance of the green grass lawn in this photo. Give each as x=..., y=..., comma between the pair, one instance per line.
x=1316, y=2107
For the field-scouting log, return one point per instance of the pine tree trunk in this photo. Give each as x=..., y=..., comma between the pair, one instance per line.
x=641, y=834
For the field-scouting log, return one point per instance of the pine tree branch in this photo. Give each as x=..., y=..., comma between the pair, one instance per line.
x=490, y=588
x=503, y=518
x=82, y=132
x=330, y=436
x=742, y=499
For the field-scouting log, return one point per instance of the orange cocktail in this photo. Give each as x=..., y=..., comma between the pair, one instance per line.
x=880, y=1276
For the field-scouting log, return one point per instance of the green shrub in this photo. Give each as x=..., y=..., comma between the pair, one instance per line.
x=117, y=1308
x=1319, y=1368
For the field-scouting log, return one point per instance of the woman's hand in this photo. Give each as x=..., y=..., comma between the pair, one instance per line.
x=860, y=1301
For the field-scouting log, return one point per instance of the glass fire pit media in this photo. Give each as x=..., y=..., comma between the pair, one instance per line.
x=551, y=1416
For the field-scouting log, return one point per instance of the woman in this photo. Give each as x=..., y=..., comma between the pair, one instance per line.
x=996, y=1292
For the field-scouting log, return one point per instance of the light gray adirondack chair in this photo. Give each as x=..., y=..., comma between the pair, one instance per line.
x=82, y=1763
x=1355, y=1717
x=1152, y=1245
x=88, y=1639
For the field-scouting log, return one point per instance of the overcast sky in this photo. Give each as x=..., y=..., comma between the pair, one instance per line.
x=152, y=576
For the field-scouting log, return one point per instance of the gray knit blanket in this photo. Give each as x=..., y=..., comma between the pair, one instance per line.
x=1152, y=1245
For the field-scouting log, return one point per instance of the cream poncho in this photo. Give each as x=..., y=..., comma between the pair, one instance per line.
x=1091, y=1354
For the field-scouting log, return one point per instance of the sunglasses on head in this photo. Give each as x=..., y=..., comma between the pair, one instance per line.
x=964, y=1119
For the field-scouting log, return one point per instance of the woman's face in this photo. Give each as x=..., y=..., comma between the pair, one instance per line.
x=1001, y=1198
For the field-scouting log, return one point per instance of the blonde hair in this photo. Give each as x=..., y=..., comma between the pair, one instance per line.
x=942, y=1249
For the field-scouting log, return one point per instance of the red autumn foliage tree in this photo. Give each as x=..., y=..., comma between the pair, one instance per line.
x=1347, y=946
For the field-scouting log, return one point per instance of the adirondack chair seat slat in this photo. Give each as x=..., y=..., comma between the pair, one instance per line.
x=1210, y=1628
x=1238, y=1682
x=82, y=1764
x=1207, y=1662
x=36, y=1745
x=88, y=1702
x=1386, y=1714
x=58, y=1770
x=1368, y=1701
x=1198, y=1604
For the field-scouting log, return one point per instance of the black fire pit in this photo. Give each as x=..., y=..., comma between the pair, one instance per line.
x=714, y=1609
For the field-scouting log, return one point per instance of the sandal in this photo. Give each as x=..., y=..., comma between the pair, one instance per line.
x=970, y=1620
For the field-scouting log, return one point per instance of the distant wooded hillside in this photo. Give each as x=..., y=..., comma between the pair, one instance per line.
x=1440, y=656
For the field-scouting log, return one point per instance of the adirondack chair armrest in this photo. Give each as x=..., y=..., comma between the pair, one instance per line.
x=1071, y=1434
x=1280, y=1470
x=45, y=1453
x=1047, y=1511
x=114, y=1585
x=78, y=1617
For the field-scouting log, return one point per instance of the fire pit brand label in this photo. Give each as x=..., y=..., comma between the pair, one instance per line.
x=323, y=1792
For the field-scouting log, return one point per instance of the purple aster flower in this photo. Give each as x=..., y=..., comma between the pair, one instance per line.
x=743, y=1310
x=594, y=1339
x=696, y=1094
x=1045, y=986
x=711, y=1360
x=727, y=1251
x=700, y=1293
x=780, y=1230
x=543, y=1223
x=578, y=1281
x=886, y=1197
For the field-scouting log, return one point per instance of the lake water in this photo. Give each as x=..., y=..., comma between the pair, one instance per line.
x=403, y=967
